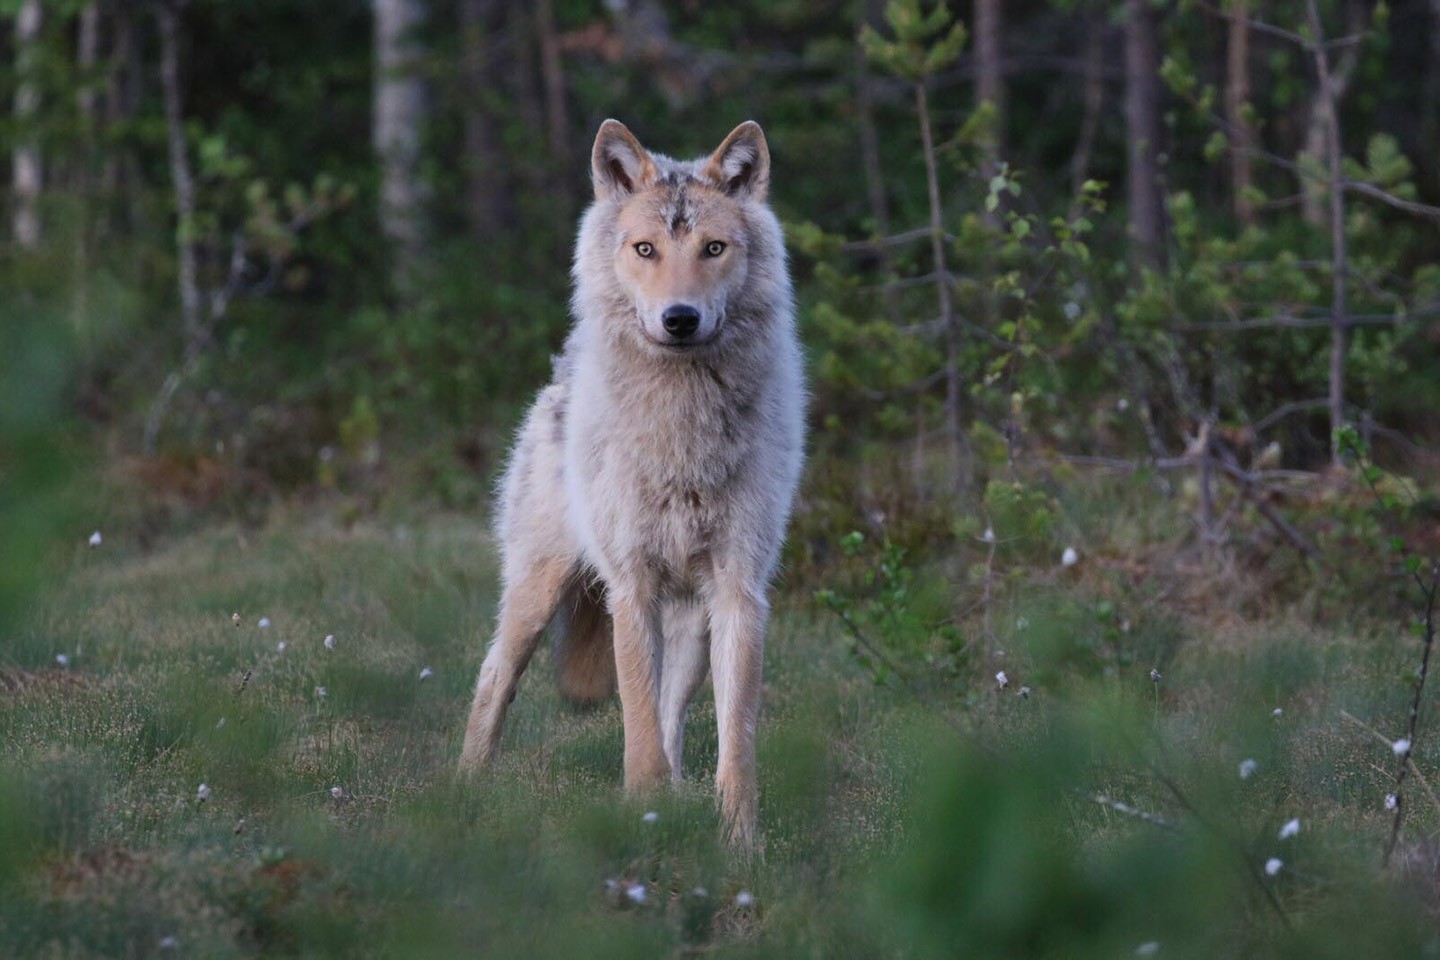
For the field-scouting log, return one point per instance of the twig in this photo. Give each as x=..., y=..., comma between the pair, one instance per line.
x=1119, y=806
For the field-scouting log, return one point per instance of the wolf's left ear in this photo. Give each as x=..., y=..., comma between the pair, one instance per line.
x=741, y=167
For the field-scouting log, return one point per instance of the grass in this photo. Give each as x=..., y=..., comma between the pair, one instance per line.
x=959, y=819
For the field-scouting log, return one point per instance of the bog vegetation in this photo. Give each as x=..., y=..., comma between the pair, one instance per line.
x=1108, y=609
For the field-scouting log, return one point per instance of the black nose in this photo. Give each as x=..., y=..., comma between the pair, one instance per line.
x=681, y=320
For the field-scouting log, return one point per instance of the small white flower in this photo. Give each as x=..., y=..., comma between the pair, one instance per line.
x=321, y=692
x=988, y=536
x=1072, y=310
x=1392, y=802
x=1021, y=623
x=329, y=641
x=612, y=884
x=1002, y=680
x=744, y=898
x=1273, y=866
x=1024, y=693
x=203, y=793
x=280, y=647
x=235, y=618
x=337, y=793
x=168, y=943
x=700, y=892
x=95, y=539
x=220, y=724
x=1069, y=558
x=264, y=623
x=1148, y=949
x=1278, y=712
x=426, y=673
x=62, y=659
x=1155, y=675
x=1122, y=404
x=636, y=892
x=1291, y=828
x=1247, y=768
x=650, y=816
x=1401, y=747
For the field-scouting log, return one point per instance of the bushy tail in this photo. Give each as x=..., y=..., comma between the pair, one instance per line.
x=582, y=646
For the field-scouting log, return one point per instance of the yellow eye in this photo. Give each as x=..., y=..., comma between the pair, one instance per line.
x=645, y=250
x=714, y=248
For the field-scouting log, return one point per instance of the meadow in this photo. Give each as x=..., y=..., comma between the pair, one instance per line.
x=914, y=803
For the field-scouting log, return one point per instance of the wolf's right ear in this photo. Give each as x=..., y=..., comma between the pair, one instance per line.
x=619, y=166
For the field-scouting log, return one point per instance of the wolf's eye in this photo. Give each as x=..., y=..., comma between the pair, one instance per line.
x=645, y=250
x=714, y=248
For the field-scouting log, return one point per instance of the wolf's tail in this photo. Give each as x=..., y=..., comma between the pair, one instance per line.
x=582, y=645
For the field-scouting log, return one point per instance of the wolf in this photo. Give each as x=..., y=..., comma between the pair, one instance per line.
x=645, y=503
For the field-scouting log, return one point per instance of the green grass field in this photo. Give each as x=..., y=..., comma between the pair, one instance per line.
x=925, y=813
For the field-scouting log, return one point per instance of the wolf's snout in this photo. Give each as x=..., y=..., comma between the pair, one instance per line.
x=681, y=321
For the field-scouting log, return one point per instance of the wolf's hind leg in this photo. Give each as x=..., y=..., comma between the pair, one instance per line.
x=686, y=635
x=526, y=607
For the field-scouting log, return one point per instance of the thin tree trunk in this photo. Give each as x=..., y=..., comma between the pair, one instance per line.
x=875, y=193
x=87, y=51
x=487, y=194
x=1339, y=309
x=1093, y=99
x=1142, y=117
x=27, y=171
x=961, y=468
x=1328, y=95
x=990, y=88
x=401, y=109
x=552, y=74
x=120, y=97
x=1430, y=123
x=1237, y=95
x=181, y=179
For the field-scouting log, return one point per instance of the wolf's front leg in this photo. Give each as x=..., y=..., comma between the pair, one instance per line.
x=738, y=610
x=637, y=646
x=526, y=607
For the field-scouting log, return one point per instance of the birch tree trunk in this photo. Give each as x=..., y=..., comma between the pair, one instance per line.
x=182, y=182
x=990, y=87
x=27, y=172
x=401, y=110
x=1142, y=118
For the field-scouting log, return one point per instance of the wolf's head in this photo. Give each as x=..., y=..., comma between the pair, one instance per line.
x=676, y=240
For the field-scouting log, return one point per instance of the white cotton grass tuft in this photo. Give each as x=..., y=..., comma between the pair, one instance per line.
x=235, y=618
x=1002, y=680
x=1273, y=866
x=1291, y=828
x=988, y=536
x=650, y=816
x=1278, y=712
x=321, y=693
x=1024, y=693
x=95, y=540
x=635, y=892
x=426, y=673
x=1392, y=802
x=1401, y=747
x=744, y=898
x=62, y=659
x=280, y=647
x=329, y=641
x=169, y=943
x=1155, y=675
x=1069, y=558
x=700, y=892
x=337, y=792
x=203, y=792
x=1148, y=949
x=220, y=724
x=1248, y=768
x=263, y=623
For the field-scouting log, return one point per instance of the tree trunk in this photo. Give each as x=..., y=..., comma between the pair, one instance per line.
x=1430, y=123
x=1237, y=95
x=1329, y=92
x=181, y=179
x=1093, y=98
x=122, y=82
x=87, y=51
x=960, y=473
x=487, y=194
x=401, y=110
x=1142, y=118
x=1329, y=96
x=27, y=173
x=990, y=88
x=552, y=74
